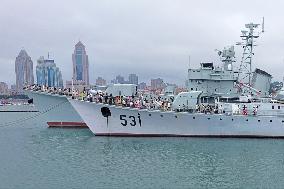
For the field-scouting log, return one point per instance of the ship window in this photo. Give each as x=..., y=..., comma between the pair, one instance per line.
x=192, y=89
x=247, y=120
x=208, y=118
x=220, y=118
x=282, y=121
x=272, y=107
x=270, y=120
x=278, y=107
x=193, y=117
x=258, y=120
x=162, y=116
x=176, y=116
x=232, y=119
x=149, y=114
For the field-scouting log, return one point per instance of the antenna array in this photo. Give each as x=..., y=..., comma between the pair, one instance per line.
x=248, y=44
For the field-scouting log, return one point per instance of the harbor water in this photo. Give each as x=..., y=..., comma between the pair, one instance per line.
x=34, y=156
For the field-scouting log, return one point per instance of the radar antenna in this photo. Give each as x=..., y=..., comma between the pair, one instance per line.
x=248, y=45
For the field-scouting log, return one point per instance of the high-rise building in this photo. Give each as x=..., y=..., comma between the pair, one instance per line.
x=24, y=70
x=4, y=88
x=48, y=74
x=133, y=79
x=118, y=80
x=157, y=84
x=142, y=86
x=80, y=63
x=100, y=81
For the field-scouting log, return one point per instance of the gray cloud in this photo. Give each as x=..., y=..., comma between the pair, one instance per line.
x=150, y=38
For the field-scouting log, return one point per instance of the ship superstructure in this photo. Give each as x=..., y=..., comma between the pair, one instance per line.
x=225, y=80
x=215, y=80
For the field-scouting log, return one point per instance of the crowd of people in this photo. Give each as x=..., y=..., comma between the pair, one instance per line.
x=140, y=101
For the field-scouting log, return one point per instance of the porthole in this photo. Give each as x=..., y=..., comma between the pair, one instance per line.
x=208, y=118
x=258, y=120
x=193, y=117
x=220, y=118
x=247, y=120
x=149, y=114
x=161, y=115
x=270, y=121
x=176, y=116
x=232, y=119
x=282, y=121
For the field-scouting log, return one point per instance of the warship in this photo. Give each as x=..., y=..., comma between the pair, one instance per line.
x=54, y=110
x=220, y=102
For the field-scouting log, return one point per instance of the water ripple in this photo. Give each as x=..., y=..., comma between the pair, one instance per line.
x=35, y=156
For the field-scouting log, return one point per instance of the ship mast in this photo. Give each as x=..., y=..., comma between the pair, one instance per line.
x=248, y=45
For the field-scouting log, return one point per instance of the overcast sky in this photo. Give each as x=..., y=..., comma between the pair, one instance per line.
x=152, y=38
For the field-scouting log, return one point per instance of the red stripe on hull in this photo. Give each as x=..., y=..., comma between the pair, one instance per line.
x=67, y=124
x=175, y=135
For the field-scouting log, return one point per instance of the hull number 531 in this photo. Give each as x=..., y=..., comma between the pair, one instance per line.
x=130, y=120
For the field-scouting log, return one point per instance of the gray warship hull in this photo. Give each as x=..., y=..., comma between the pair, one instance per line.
x=108, y=120
x=53, y=108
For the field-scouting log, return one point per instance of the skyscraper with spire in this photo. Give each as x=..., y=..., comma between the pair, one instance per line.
x=80, y=64
x=47, y=73
x=23, y=70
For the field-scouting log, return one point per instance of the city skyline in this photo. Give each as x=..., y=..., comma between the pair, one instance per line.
x=43, y=67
